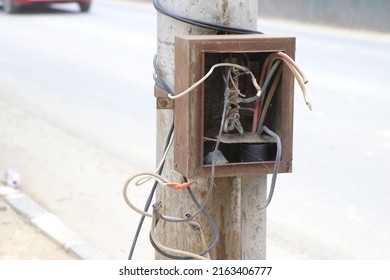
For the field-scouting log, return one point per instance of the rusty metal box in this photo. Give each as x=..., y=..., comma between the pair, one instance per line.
x=197, y=114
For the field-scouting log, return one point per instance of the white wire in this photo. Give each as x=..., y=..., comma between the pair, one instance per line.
x=172, y=250
x=233, y=65
x=165, y=153
x=146, y=176
x=145, y=179
x=300, y=79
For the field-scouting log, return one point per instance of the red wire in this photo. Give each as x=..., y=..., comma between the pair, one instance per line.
x=258, y=102
x=266, y=62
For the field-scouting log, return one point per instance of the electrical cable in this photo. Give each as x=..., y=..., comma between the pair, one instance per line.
x=259, y=101
x=299, y=79
x=263, y=88
x=146, y=175
x=276, y=164
x=145, y=214
x=287, y=60
x=293, y=63
x=191, y=217
x=158, y=178
x=163, y=253
x=160, y=82
x=203, y=24
x=210, y=220
x=236, y=66
x=270, y=94
x=296, y=71
x=212, y=175
x=163, y=248
x=150, y=197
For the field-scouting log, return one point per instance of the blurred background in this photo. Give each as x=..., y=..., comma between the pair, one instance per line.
x=355, y=14
x=77, y=118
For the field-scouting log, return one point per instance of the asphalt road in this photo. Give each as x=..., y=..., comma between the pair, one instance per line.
x=77, y=110
x=77, y=114
x=338, y=196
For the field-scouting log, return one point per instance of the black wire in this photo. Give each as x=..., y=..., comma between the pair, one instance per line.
x=165, y=254
x=201, y=207
x=211, y=221
x=161, y=83
x=149, y=200
x=213, y=160
x=209, y=218
x=248, y=100
x=276, y=165
x=207, y=25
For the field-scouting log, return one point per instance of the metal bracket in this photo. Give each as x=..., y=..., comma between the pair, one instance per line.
x=163, y=101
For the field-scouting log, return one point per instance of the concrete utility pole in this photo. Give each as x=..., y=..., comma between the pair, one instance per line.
x=235, y=200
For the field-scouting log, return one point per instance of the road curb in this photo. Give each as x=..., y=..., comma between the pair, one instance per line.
x=51, y=225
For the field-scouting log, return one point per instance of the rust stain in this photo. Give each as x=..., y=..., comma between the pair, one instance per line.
x=225, y=5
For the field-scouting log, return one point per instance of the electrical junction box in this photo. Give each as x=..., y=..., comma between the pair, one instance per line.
x=198, y=115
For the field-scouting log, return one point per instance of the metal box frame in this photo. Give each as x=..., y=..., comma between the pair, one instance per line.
x=193, y=55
